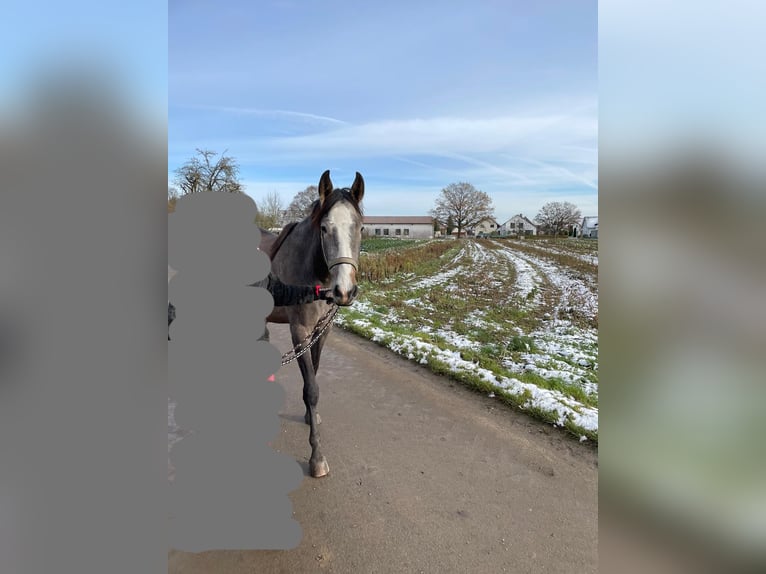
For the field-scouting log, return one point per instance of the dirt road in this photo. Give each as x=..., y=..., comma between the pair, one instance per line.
x=425, y=476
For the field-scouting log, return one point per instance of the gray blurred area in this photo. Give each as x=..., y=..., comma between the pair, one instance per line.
x=229, y=488
x=682, y=196
x=682, y=341
x=82, y=341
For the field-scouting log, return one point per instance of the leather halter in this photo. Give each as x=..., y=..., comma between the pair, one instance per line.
x=341, y=260
x=338, y=260
x=330, y=264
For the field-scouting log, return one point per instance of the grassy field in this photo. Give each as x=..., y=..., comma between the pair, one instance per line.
x=516, y=319
x=377, y=244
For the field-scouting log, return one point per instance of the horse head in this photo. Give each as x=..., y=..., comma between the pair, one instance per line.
x=338, y=216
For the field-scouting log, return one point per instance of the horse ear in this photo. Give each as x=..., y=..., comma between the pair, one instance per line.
x=357, y=190
x=325, y=186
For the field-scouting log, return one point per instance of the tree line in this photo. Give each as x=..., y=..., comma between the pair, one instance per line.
x=459, y=206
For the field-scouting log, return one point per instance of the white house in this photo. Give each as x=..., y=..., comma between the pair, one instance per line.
x=589, y=227
x=400, y=226
x=486, y=226
x=518, y=225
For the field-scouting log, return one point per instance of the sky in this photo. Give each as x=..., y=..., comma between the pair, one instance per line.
x=413, y=95
x=78, y=39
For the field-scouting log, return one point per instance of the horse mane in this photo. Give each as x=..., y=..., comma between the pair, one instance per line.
x=319, y=210
x=281, y=238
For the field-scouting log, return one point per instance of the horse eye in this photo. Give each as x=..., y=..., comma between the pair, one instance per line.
x=324, y=229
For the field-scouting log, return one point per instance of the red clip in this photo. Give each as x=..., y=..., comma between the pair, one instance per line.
x=316, y=290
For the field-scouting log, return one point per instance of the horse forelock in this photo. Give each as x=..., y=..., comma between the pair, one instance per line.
x=321, y=209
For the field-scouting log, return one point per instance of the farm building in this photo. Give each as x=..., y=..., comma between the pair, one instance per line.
x=589, y=227
x=486, y=226
x=518, y=225
x=401, y=226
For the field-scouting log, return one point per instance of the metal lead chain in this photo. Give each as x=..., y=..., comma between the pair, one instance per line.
x=315, y=335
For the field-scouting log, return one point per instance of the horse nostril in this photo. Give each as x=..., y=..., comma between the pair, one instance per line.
x=342, y=297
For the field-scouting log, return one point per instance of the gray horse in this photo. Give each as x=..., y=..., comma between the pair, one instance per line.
x=321, y=249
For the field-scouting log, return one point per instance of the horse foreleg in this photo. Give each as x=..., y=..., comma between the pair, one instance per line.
x=317, y=463
x=316, y=350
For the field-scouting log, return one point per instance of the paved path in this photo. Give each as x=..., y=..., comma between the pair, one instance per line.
x=425, y=476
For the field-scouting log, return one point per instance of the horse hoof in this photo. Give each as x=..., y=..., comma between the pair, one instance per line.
x=319, y=468
x=308, y=419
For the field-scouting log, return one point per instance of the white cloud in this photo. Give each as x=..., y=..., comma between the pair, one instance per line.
x=270, y=113
x=522, y=160
x=439, y=136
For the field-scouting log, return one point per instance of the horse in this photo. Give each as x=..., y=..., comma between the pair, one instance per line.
x=323, y=248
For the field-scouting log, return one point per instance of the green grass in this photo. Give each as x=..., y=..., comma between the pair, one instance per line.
x=390, y=268
x=521, y=343
x=377, y=244
x=477, y=383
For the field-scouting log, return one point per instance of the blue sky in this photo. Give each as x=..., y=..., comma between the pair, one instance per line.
x=414, y=95
x=41, y=37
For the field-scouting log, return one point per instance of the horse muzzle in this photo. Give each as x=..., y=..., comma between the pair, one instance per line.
x=344, y=274
x=344, y=298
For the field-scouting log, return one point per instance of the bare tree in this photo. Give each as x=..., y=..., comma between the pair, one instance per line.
x=269, y=211
x=464, y=204
x=202, y=173
x=172, y=198
x=300, y=206
x=557, y=215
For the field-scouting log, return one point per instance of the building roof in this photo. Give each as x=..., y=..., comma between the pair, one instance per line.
x=397, y=219
x=525, y=218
